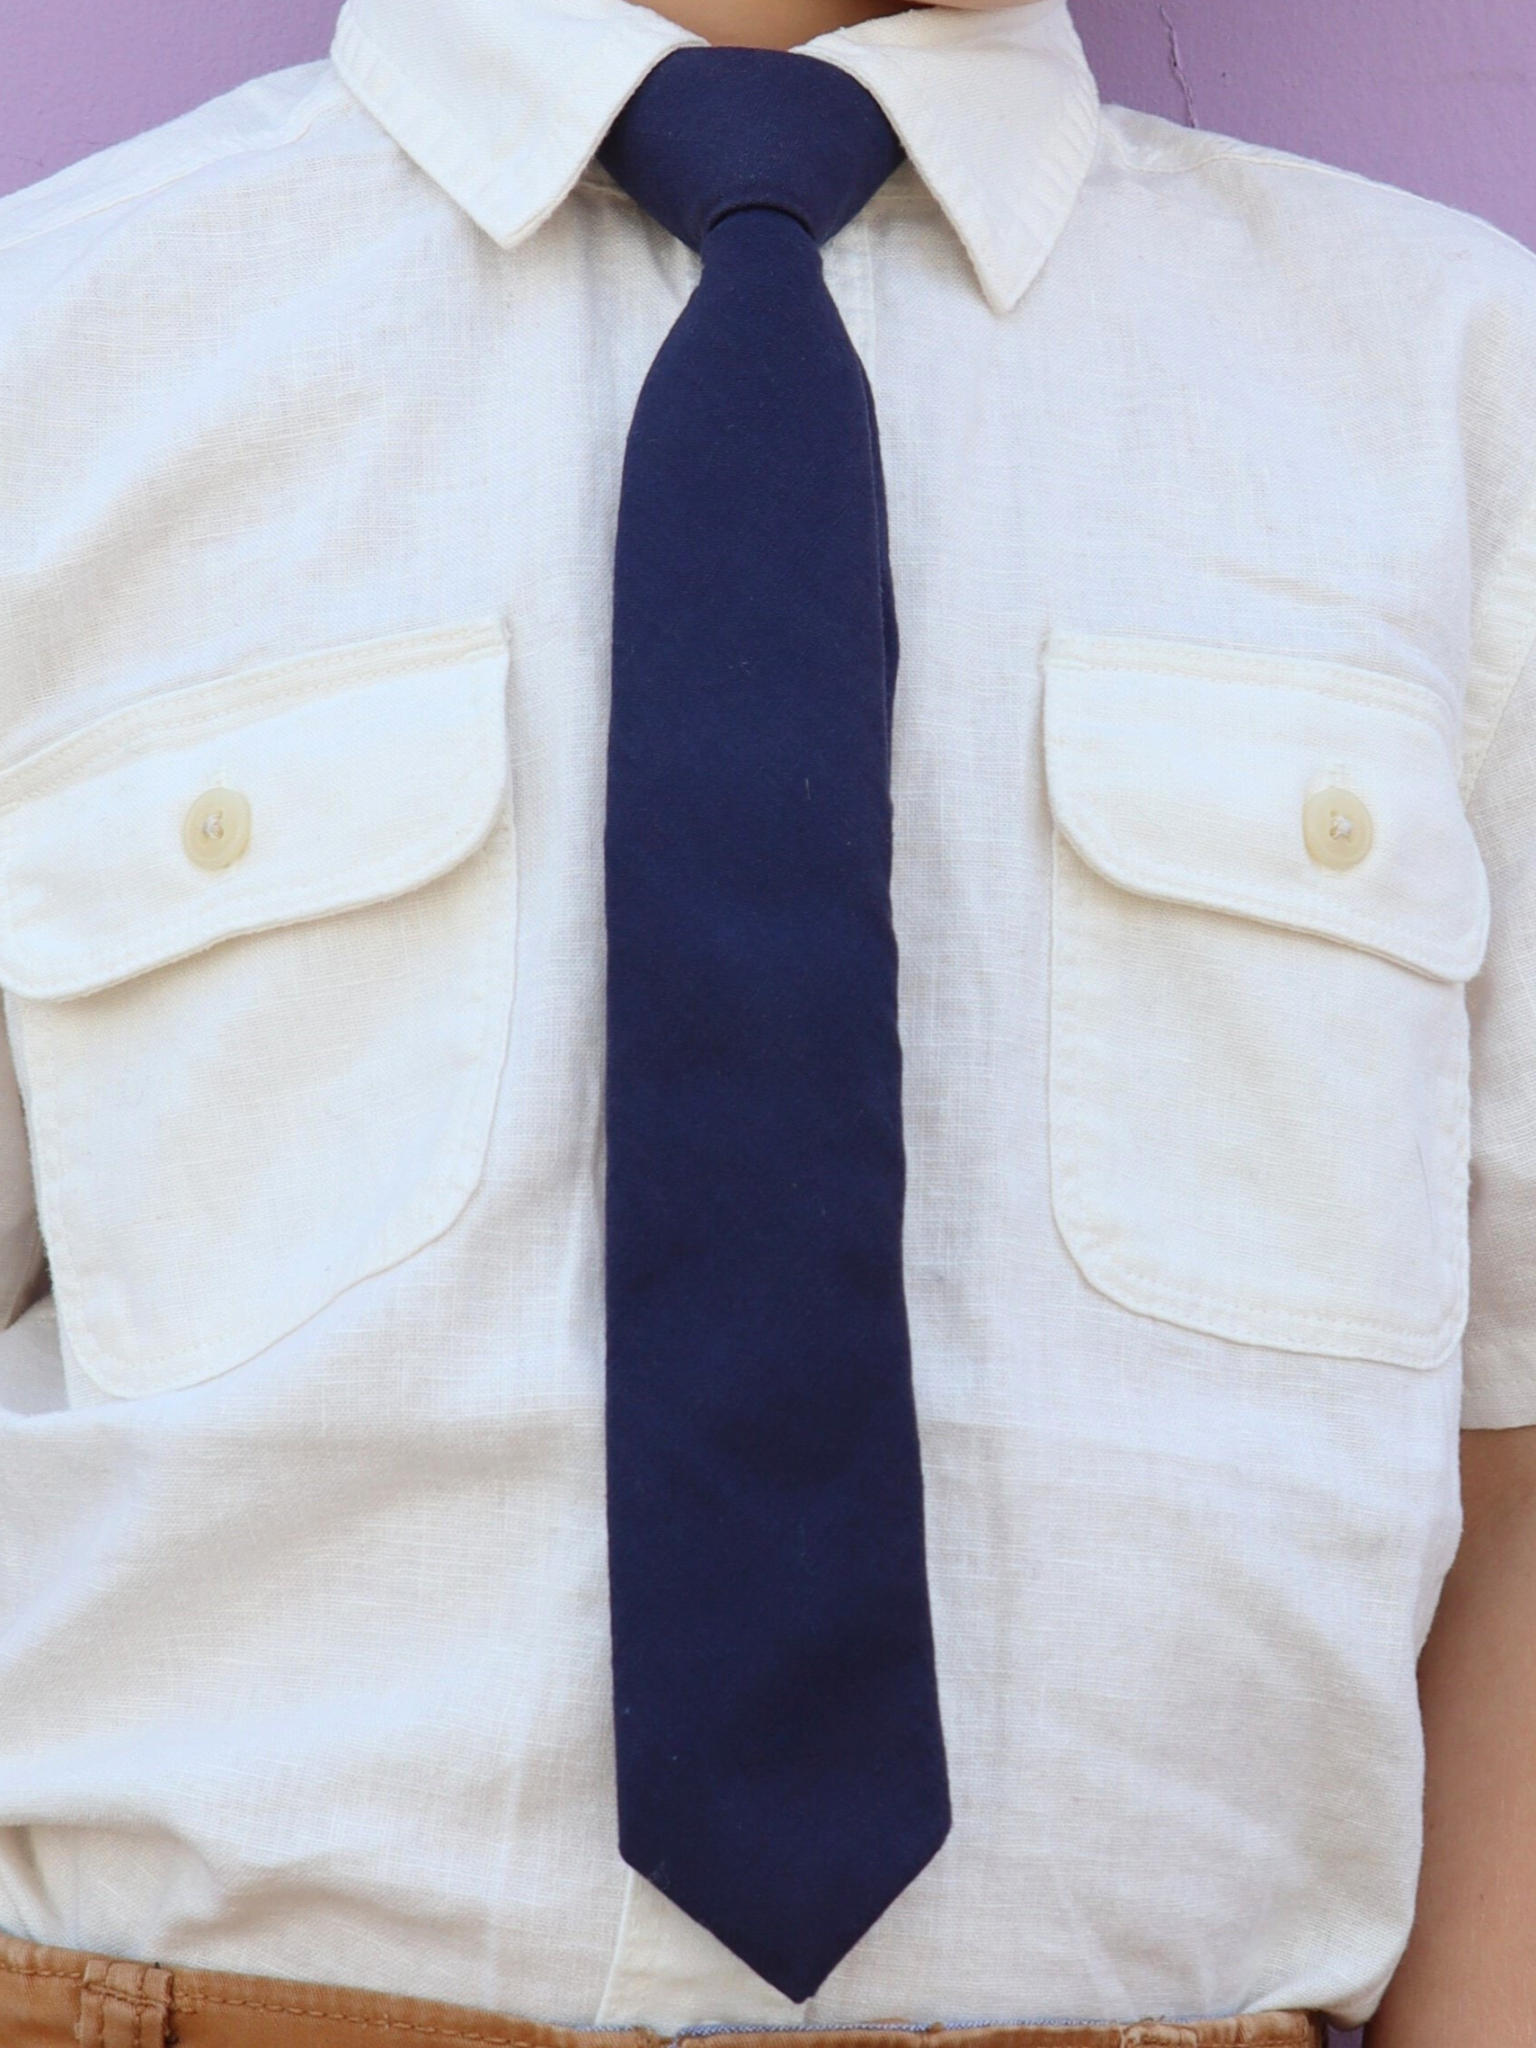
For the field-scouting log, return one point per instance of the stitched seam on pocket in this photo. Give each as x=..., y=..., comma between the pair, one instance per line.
x=296, y=904
x=1090, y=654
x=34, y=971
x=1069, y=1184
x=239, y=698
x=1349, y=929
x=1071, y=1011
x=1144, y=870
x=388, y=1248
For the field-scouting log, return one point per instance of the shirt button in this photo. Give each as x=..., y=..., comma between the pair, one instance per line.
x=217, y=828
x=1337, y=828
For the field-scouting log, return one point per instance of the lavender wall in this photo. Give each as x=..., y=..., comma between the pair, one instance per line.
x=1439, y=95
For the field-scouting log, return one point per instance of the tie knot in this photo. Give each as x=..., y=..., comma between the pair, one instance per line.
x=713, y=128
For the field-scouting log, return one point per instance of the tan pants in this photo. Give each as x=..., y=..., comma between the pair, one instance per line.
x=60, y=1998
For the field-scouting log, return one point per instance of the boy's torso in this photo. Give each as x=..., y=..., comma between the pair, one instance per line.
x=304, y=1566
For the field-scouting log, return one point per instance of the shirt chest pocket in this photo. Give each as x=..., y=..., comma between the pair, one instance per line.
x=257, y=944
x=1266, y=901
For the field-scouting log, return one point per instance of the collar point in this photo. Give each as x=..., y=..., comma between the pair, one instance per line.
x=1002, y=297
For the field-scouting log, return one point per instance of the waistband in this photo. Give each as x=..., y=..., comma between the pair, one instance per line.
x=66, y=1998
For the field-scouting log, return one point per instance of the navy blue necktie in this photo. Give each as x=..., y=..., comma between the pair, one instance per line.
x=781, y=1769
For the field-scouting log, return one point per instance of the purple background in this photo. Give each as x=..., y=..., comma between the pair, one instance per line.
x=1438, y=95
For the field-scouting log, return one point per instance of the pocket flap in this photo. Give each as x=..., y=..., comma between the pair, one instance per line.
x=1183, y=773
x=367, y=771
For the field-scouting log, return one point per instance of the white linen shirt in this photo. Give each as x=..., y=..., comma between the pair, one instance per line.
x=1212, y=487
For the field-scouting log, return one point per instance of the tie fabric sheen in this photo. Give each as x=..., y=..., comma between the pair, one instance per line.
x=781, y=1770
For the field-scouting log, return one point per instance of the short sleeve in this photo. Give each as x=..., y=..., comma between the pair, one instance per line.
x=1500, y=1345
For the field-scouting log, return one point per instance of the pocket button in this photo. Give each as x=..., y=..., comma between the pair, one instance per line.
x=217, y=828
x=1337, y=828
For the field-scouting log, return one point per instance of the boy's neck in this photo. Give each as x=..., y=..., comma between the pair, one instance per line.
x=770, y=24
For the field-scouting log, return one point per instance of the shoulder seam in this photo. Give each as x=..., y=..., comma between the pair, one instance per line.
x=1233, y=150
x=327, y=95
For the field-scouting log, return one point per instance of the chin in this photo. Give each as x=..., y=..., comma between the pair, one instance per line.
x=980, y=6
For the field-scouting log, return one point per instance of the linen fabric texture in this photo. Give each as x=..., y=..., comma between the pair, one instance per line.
x=1211, y=481
x=779, y=1757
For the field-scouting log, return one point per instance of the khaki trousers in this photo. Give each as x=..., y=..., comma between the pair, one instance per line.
x=63, y=1998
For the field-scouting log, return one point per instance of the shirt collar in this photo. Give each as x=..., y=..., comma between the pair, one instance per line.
x=504, y=102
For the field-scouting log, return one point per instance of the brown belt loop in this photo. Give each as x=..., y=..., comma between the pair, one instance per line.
x=124, y=2005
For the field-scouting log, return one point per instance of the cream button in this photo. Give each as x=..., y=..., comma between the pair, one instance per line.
x=217, y=828
x=1337, y=828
